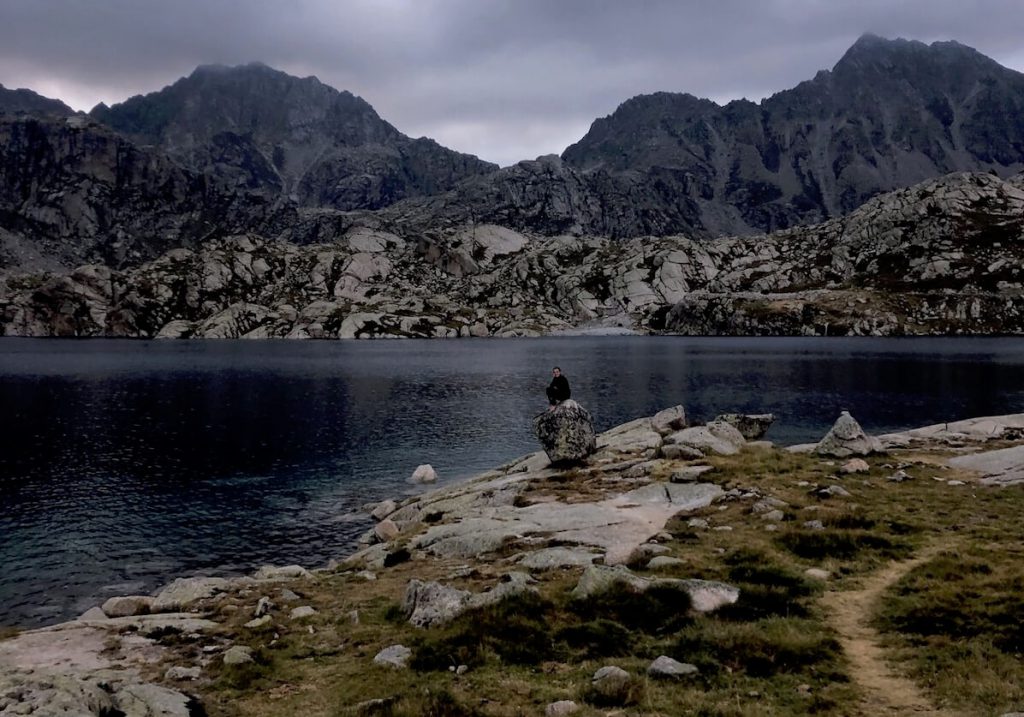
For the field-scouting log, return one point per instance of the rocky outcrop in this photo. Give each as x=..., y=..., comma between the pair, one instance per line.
x=566, y=431
x=941, y=258
x=846, y=438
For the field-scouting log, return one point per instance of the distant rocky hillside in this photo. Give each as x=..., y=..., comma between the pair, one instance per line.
x=946, y=256
x=72, y=191
x=891, y=113
x=267, y=131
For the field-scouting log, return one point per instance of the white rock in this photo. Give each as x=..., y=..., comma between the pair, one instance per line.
x=666, y=667
x=259, y=622
x=238, y=655
x=183, y=673
x=128, y=606
x=561, y=708
x=424, y=474
x=393, y=656
x=302, y=612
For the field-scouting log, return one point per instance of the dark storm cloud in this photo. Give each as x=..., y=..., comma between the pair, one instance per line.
x=505, y=79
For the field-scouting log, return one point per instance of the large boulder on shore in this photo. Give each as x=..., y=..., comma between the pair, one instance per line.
x=751, y=426
x=566, y=432
x=846, y=438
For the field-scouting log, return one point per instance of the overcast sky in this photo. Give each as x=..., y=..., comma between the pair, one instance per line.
x=503, y=79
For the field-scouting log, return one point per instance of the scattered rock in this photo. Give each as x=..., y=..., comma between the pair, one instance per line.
x=285, y=572
x=699, y=523
x=184, y=592
x=386, y=530
x=773, y=516
x=610, y=675
x=817, y=574
x=238, y=655
x=832, y=491
x=128, y=606
x=259, y=622
x=669, y=420
x=288, y=595
x=664, y=561
x=855, y=465
x=302, y=612
x=898, y=477
x=679, y=452
x=181, y=674
x=689, y=474
x=424, y=473
x=263, y=606
x=383, y=509
x=566, y=432
x=846, y=438
x=554, y=558
x=814, y=525
x=394, y=656
x=666, y=668
x=561, y=708
x=751, y=426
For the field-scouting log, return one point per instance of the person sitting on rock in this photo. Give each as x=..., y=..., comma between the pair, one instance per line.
x=558, y=389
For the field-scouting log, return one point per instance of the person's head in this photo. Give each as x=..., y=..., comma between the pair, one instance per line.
x=556, y=371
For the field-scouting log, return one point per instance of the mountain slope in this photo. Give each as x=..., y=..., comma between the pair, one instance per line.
x=264, y=130
x=888, y=115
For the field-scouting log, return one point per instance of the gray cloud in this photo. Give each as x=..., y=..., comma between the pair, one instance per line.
x=503, y=79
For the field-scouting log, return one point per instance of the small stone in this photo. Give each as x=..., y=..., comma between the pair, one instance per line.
x=283, y=572
x=771, y=527
x=698, y=523
x=804, y=689
x=238, y=655
x=259, y=622
x=773, y=516
x=289, y=596
x=263, y=606
x=353, y=617
x=561, y=708
x=663, y=561
x=833, y=491
x=395, y=656
x=814, y=525
x=666, y=667
x=461, y=670
x=366, y=575
x=898, y=477
x=423, y=474
x=181, y=674
x=855, y=465
x=302, y=612
x=817, y=574
x=956, y=482
x=723, y=529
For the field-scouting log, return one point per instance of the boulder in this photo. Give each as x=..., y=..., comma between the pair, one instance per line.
x=751, y=426
x=183, y=592
x=666, y=668
x=561, y=708
x=846, y=438
x=386, y=530
x=669, y=420
x=395, y=656
x=716, y=437
x=566, y=432
x=238, y=655
x=855, y=465
x=127, y=606
x=679, y=452
x=383, y=509
x=431, y=603
x=284, y=572
x=423, y=474
x=302, y=612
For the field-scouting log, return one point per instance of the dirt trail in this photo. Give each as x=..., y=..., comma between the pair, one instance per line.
x=884, y=691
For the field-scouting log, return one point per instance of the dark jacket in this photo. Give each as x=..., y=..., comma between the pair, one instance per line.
x=558, y=390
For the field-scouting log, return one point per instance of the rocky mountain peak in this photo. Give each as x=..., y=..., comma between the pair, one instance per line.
x=29, y=102
x=267, y=131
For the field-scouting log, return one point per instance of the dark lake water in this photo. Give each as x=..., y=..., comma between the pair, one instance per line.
x=126, y=463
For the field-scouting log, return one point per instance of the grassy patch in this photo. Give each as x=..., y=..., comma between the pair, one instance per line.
x=956, y=620
x=840, y=544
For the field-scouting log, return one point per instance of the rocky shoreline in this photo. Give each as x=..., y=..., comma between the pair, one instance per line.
x=502, y=535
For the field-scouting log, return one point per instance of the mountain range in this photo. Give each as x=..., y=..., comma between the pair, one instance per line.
x=252, y=148
x=249, y=150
